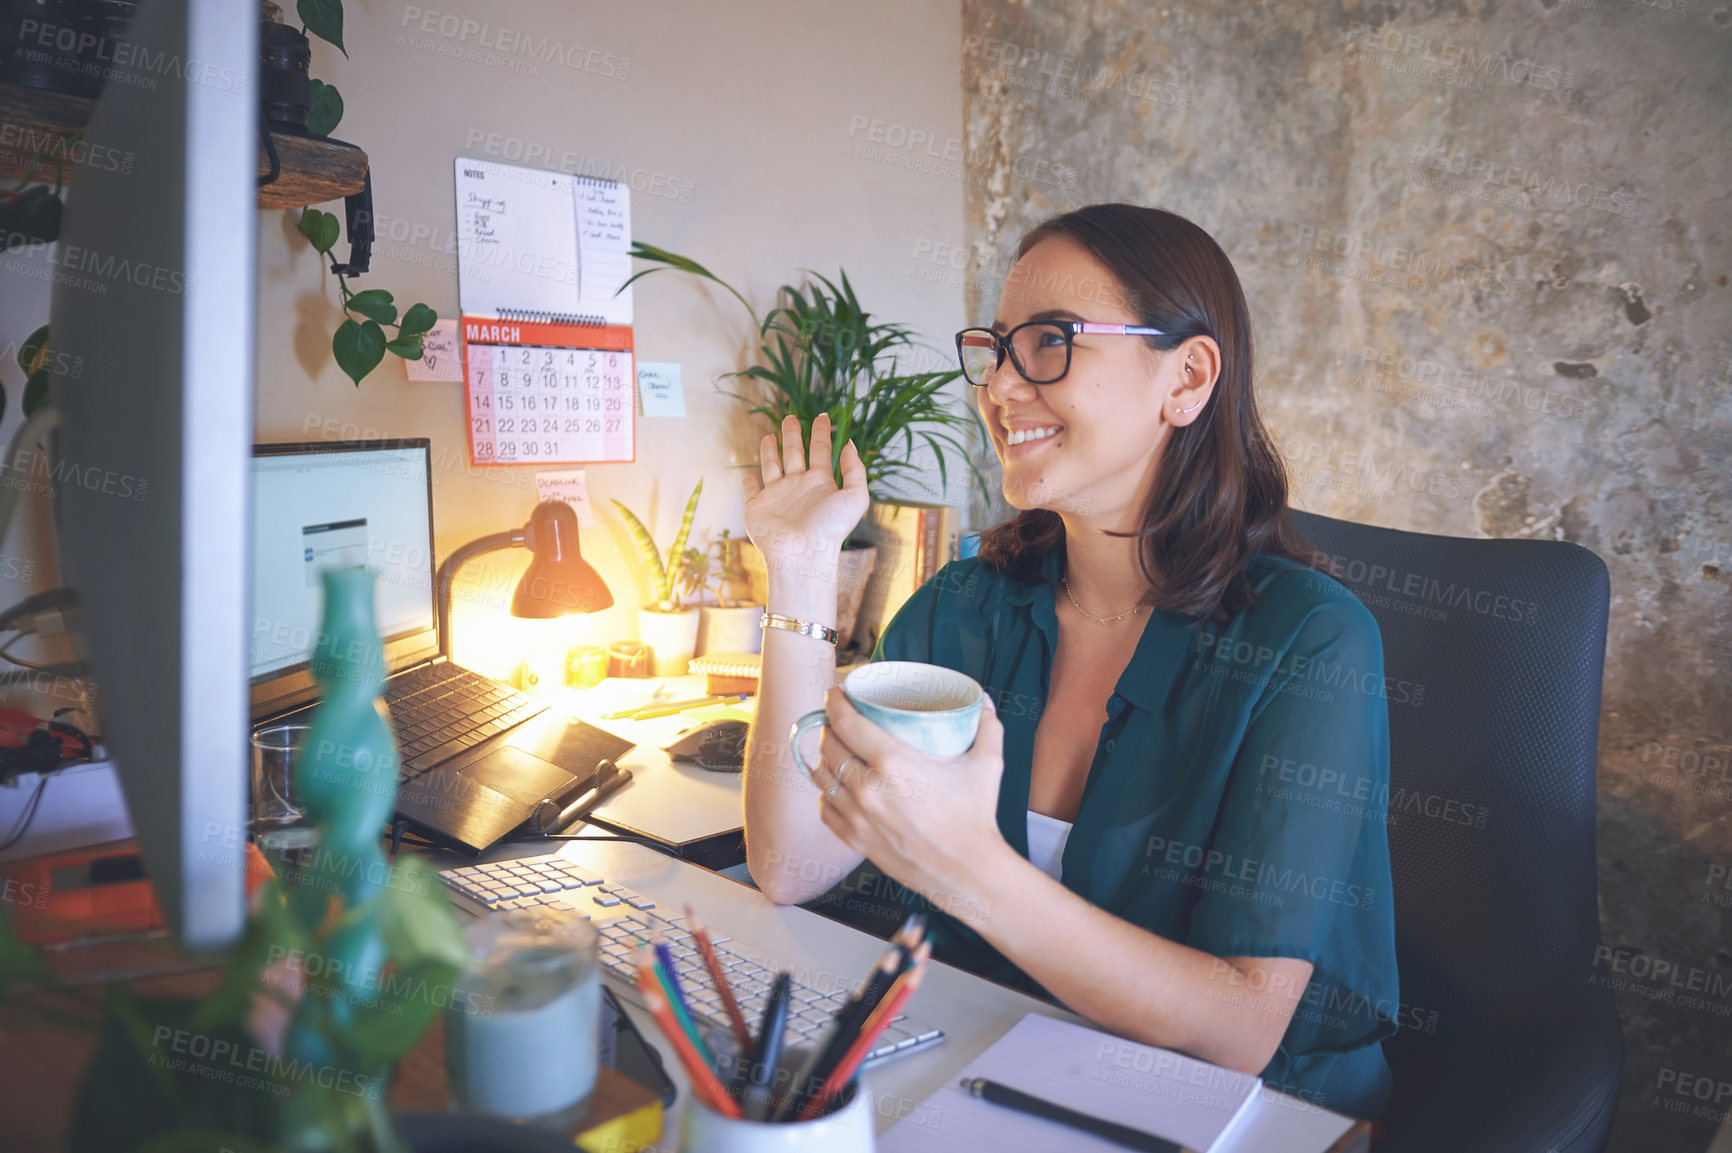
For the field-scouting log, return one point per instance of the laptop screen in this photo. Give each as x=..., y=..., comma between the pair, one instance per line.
x=333, y=505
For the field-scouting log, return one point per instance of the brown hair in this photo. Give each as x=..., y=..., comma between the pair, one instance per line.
x=1220, y=491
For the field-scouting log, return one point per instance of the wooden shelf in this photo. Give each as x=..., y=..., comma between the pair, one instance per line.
x=314, y=169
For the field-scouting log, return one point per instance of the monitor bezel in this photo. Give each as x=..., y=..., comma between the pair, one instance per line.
x=293, y=686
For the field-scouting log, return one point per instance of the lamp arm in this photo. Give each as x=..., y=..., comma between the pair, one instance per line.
x=493, y=542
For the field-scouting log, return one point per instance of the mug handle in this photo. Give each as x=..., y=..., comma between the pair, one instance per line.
x=815, y=717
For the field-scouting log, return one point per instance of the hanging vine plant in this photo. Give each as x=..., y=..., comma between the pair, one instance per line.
x=361, y=341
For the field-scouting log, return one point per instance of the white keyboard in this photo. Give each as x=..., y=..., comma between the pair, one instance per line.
x=624, y=919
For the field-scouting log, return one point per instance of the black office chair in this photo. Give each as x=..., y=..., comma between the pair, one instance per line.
x=1505, y=1044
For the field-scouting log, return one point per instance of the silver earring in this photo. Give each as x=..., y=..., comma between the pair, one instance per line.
x=1188, y=411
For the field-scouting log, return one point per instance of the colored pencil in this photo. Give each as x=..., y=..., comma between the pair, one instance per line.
x=737, y=1019
x=669, y=708
x=676, y=995
x=705, y=1086
x=849, y=1018
x=648, y=962
x=887, y=1011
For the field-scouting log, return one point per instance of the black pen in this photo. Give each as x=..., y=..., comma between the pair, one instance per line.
x=1124, y=1135
x=846, y=1024
x=761, y=1072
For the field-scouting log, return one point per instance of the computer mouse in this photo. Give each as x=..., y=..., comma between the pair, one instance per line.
x=719, y=746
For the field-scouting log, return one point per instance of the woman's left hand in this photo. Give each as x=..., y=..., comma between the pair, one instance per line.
x=929, y=822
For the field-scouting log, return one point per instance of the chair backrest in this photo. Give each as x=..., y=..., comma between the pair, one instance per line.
x=1493, y=655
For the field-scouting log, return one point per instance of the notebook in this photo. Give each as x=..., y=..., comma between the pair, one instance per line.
x=729, y=672
x=1158, y=1091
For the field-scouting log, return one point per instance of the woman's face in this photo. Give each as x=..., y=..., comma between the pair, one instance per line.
x=1112, y=409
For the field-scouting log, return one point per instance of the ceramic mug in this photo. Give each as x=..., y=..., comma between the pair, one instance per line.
x=847, y=1128
x=935, y=709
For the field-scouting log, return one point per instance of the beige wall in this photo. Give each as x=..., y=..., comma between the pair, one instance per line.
x=747, y=107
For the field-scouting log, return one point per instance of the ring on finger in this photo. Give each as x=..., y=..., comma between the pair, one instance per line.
x=843, y=767
x=831, y=792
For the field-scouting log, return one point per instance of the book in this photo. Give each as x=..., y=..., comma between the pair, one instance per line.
x=913, y=539
x=1163, y=1093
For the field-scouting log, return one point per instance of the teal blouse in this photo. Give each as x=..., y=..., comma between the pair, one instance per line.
x=1236, y=802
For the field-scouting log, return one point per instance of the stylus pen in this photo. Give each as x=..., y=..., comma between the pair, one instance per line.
x=1118, y=1134
x=613, y=779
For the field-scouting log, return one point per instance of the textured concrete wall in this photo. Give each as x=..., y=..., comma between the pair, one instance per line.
x=1486, y=247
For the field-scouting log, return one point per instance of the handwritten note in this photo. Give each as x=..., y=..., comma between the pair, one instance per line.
x=537, y=245
x=659, y=388
x=570, y=487
x=441, y=359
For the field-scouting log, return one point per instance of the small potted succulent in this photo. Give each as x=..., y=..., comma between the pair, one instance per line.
x=729, y=624
x=667, y=626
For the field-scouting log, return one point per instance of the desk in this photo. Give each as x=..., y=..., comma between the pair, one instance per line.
x=691, y=809
x=973, y=1012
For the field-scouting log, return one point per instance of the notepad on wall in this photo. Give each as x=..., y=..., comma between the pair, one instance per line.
x=542, y=246
x=547, y=343
x=1158, y=1091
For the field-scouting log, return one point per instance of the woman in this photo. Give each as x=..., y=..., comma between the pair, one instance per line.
x=1172, y=818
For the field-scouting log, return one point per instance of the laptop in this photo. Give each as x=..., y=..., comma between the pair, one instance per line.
x=480, y=760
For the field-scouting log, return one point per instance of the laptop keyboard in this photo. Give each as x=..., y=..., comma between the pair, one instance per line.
x=624, y=919
x=442, y=709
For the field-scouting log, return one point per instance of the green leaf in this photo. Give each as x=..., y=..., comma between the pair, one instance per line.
x=417, y=320
x=374, y=304
x=407, y=347
x=272, y=934
x=35, y=392
x=32, y=348
x=30, y=217
x=646, y=547
x=358, y=348
x=324, y=19
x=416, y=918
x=326, y=111
x=320, y=228
x=680, y=539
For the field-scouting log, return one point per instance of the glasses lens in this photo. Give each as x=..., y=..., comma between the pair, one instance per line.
x=979, y=352
x=1041, y=351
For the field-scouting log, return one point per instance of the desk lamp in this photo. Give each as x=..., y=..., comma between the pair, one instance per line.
x=557, y=582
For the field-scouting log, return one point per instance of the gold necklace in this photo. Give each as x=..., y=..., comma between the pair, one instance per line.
x=1101, y=621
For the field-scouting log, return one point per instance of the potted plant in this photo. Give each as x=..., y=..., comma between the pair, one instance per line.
x=669, y=628
x=729, y=624
x=820, y=351
x=328, y=985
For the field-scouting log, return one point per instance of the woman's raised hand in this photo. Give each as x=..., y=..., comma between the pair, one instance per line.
x=796, y=510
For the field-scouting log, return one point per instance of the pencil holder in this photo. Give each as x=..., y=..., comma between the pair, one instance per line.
x=846, y=1128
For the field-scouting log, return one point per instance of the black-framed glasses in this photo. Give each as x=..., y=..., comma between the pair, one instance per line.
x=1039, y=350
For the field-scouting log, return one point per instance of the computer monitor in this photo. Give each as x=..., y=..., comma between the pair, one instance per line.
x=337, y=503
x=154, y=298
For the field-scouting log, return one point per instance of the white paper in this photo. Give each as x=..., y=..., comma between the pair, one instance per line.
x=570, y=487
x=659, y=388
x=532, y=244
x=440, y=358
x=1156, y=1090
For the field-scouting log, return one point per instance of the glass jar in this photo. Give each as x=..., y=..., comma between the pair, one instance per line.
x=522, y=1033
